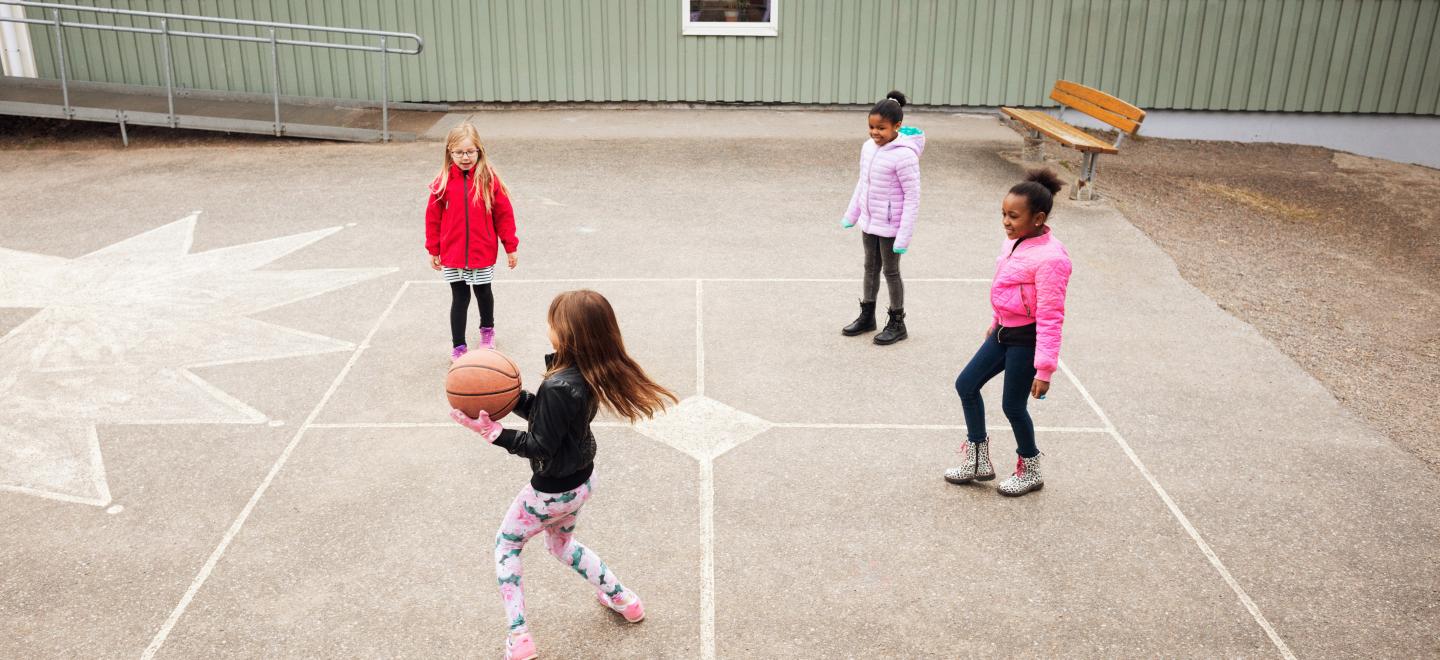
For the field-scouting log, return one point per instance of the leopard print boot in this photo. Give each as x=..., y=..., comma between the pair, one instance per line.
x=1026, y=478
x=976, y=467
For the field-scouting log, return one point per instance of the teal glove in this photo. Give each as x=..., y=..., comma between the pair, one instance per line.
x=900, y=250
x=845, y=222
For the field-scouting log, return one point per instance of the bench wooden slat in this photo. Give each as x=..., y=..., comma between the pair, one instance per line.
x=1081, y=105
x=1060, y=131
x=1111, y=103
x=1099, y=105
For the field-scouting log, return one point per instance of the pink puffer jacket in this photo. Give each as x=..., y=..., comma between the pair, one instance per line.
x=887, y=197
x=1029, y=287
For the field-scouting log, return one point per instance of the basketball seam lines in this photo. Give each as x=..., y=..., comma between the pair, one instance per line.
x=504, y=391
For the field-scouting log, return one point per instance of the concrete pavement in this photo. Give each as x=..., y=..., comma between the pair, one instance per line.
x=1205, y=497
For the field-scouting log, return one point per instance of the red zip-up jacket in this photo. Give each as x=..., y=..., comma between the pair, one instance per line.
x=460, y=231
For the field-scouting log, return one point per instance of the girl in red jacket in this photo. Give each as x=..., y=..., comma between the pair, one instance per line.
x=468, y=210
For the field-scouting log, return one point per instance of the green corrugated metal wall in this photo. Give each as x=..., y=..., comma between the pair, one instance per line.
x=1373, y=56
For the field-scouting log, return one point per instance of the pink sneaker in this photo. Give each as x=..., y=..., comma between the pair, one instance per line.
x=632, y=609
x=487, y=338
x=520, y=647
x=459, y=350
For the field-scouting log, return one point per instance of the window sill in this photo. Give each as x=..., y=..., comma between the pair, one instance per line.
x=730, y=30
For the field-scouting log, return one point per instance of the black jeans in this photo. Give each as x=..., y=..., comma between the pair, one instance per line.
x=880, y=255
x=459, y=304
x=1018, y=363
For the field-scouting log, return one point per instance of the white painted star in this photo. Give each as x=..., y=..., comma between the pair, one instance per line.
x=114, y=338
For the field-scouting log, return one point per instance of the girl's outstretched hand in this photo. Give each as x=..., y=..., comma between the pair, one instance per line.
x=1037, y=389
x=511, y=258
x=483, y=425
x=435, y=262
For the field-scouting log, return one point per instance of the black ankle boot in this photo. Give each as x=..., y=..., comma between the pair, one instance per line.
x=894, y=330
x=863, y=323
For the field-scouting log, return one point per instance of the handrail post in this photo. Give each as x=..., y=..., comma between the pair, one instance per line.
x=384, y=93
x=60, y=49
x=169, y=71
x=275, y=78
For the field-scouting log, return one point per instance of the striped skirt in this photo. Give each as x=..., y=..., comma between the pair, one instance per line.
x=471, y=276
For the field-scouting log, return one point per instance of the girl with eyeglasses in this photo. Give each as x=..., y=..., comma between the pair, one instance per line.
x=468, y=215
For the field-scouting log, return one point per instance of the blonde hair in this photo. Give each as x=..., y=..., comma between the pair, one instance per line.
x=589, y=339
x=485, y=176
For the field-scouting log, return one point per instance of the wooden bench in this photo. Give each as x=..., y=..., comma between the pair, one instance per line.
x=1037, y=125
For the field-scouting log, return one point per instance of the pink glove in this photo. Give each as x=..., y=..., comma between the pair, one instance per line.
x=486, y=427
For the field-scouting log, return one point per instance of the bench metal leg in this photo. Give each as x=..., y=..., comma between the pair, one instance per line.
x=1084, y=188
x=1034, y=149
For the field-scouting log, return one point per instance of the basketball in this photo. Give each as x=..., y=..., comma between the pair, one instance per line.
x=483, y=380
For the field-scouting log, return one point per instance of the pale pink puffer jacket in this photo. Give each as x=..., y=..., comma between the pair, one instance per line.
x=1029, y=287
x=887, y=197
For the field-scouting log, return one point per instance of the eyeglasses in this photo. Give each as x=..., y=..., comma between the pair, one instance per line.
x=465, y=154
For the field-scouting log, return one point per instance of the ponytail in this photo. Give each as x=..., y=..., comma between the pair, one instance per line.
x=891, y=108
x=1038, y=189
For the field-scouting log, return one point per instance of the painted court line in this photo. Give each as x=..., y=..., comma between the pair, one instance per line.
x=1184, y=521
x=204, y=574
x=932, y=427
x=707, y=560
x=509, y=423
x=778, y=280
x=699, y=338
x=707, y=498
x=778, y=425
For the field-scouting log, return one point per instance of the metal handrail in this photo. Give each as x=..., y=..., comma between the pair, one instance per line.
x=165, y=32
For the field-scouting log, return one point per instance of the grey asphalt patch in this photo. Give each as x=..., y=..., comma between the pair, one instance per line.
x=855, y=542
x=373, y=543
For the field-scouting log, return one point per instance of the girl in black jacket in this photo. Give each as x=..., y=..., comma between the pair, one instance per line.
x=588, y=369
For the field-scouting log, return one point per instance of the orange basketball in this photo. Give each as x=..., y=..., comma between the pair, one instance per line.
x=483, y=380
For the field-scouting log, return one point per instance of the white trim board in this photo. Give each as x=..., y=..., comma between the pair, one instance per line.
x=16, y=54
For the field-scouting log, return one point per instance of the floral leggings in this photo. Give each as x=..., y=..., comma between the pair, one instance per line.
x=531, y=513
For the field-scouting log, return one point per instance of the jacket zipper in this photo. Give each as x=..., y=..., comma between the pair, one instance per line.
x=465, y=199
x=870, y=183
x=1021, y=287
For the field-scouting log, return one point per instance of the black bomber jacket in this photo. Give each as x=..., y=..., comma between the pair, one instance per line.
x=559, y=442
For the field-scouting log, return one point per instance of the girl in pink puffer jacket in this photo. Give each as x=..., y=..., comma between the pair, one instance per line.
x=885, y=203
x=1028, y=298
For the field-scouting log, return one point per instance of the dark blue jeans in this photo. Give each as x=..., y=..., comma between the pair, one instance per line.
x=1018, y=363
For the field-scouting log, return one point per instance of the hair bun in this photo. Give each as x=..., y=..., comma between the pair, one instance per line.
x=1047, y=178
x=898, y=96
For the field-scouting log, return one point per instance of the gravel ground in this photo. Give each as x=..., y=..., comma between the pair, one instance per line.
x=1334, y=257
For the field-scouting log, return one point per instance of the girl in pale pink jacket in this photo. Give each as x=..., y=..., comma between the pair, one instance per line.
x=885, y=203
x=1028, y=298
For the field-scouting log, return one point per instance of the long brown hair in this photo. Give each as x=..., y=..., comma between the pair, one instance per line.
x=485, y=174
x=589, y=339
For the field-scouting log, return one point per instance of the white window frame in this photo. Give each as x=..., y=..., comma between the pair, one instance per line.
x=690, y=28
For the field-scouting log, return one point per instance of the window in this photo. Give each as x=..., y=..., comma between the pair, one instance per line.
x=745, y=18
